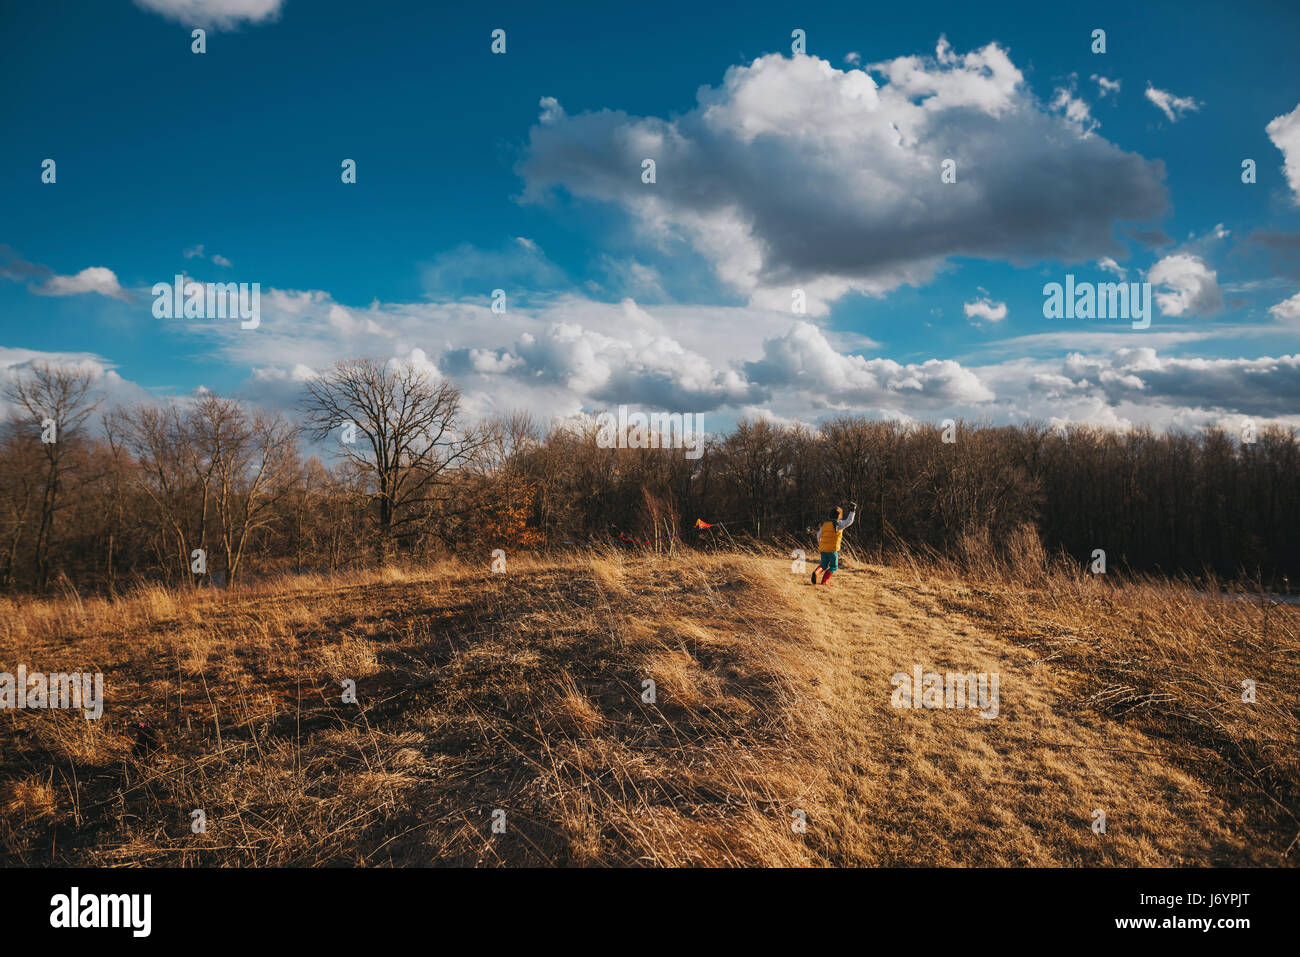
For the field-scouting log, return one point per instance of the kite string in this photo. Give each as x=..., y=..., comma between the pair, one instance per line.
x=697, y=528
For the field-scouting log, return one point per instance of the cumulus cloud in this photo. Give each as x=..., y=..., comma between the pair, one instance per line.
x=642, y=367
x=1265, y=386
x=108, y=384
x=43, y=281
x=218, y=14
x=1287, y=308
x=559, y=356
x=565, y=355
x=97, y=279
x=1190, y=286
x=1171, y=106
x=794, y=174
x=986, y=309
x=1122, y=386
x=1284, y=131
x=804, y=359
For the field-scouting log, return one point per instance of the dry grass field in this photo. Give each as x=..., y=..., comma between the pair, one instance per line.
x=523, y=692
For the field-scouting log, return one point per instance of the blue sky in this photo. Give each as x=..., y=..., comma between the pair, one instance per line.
x=775, y=171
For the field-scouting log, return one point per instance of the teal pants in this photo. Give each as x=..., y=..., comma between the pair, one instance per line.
x=830, y=561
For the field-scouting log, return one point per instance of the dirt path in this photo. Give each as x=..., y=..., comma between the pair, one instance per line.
x=947, y=787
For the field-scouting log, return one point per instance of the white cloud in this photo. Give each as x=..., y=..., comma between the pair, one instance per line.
x=1125, y=386
x=1075, y=110
x=97, y=279
x=805, y=360
x=1172, y=106
x=108, y=385
x=1287, y=308
x=1192, y=286
x=986, y=309
x=1108, y=264
x=562, y=355
x=416, y=360
x=559, y=356
x=1265, y=386
x=218, y=14
x=794, y=174
x=1105, y=87
x=1284, y=131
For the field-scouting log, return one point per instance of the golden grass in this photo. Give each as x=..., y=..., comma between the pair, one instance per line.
x=518, y=697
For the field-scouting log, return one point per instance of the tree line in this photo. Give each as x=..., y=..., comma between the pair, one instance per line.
x=380, y=463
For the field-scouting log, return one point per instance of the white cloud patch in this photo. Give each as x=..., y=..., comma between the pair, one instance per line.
x=1105, y=87
x=96, y=279
x=1076, y=111
x=805, y=360
x=44, y=281
x=107, y=383
x=1173, y=107
x=1287, y=308
x=1190, y=287
x=985, y=309
x=215, y=14
x=1284, y=131
x=1265, y=386
x=560, y=356
x=794, y=174
x=1109, y=265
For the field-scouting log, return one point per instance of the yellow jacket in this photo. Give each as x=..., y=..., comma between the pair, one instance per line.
x=833, y=533
x=831, y=538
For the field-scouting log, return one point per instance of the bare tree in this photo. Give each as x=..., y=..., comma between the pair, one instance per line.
x=20, y=489
x=405, y=431
x=172, y=477
x=56, y=401
x=254, y=463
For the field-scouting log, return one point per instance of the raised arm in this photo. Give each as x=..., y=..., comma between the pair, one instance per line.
x=845, y=522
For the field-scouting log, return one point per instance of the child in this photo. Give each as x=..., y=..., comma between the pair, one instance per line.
x=832, y=534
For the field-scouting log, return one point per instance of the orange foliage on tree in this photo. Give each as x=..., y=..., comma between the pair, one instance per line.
x=505, y=524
